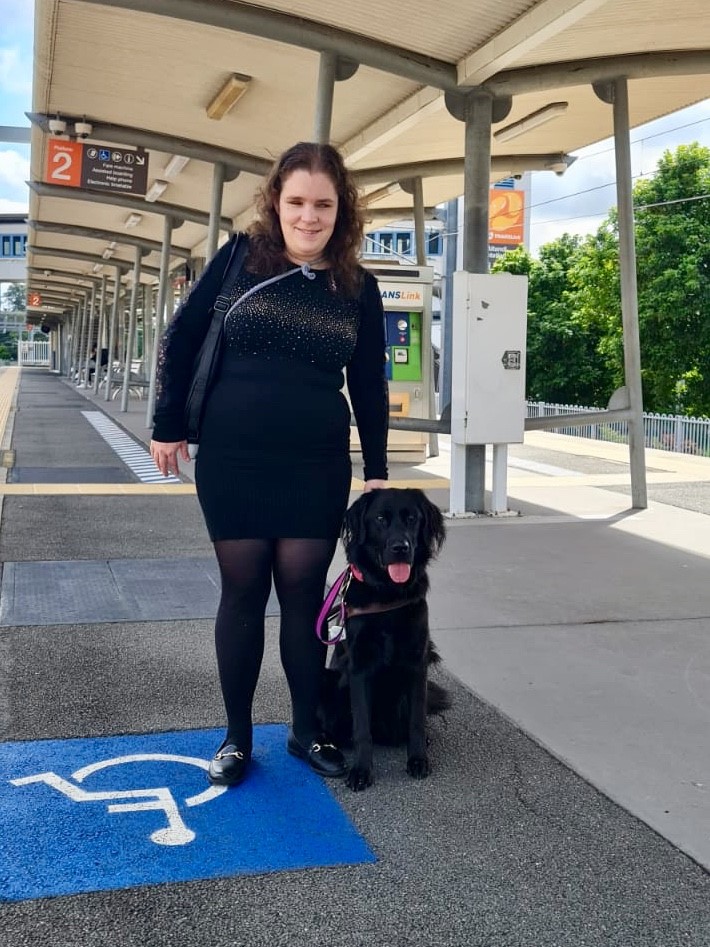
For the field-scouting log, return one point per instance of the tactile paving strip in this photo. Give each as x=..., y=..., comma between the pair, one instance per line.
x=114, y=590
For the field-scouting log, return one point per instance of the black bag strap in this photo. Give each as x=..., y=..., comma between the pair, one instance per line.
x=231, y=274
x=205, y=357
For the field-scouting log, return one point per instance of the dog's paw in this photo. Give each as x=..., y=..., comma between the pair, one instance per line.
x=418, y=767
x=358, y=778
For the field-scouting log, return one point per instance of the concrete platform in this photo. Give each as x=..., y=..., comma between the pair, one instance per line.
x=569, y=802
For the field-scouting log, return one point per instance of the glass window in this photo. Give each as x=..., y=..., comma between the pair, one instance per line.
x=385, y=240
x=433, y=243
x=17, y=248
x=404, y=242
x=6, y=245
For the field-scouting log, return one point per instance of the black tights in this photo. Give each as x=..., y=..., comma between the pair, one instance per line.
x=299, y=568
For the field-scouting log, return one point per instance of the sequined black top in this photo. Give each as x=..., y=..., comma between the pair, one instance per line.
x=299, y=319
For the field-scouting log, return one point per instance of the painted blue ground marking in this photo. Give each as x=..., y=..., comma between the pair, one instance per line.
x=115, y=812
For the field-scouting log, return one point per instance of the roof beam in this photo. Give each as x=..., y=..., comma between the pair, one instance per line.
x=92, y=233
x=691, y=62
x=500, y=164
x=124, y=265
x=545, y=20
x=156, y=141
x=12, y=133
x=123, y=200
x=298, y=31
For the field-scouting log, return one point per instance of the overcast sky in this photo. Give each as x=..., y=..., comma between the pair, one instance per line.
x=577, y=202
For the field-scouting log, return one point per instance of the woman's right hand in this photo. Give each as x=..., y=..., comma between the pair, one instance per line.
x=165, y=454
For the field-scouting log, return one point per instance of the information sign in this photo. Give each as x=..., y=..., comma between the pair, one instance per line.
x=96, y=167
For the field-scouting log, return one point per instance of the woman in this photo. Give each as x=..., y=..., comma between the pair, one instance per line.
x=273, y=469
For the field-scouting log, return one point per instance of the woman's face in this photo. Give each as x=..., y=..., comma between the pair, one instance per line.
x=307, y=208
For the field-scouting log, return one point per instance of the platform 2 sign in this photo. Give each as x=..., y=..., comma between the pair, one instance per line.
x=96, y=167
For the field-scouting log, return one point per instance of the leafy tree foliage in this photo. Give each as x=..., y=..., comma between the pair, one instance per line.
x=14, y=298
x=575, y=339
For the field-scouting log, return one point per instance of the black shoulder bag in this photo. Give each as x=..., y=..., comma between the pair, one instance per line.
x=207, y=360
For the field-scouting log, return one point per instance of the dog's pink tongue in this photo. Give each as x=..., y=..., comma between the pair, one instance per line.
x=399, y=571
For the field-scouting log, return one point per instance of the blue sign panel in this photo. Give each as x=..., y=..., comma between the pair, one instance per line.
x=115, y=812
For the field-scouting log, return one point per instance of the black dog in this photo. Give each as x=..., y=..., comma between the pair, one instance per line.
x=376, y=687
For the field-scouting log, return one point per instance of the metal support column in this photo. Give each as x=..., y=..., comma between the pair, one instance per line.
x=80, y=338
x=417, y=190
x=629, y=295
x=324, y=97
x=89, y=336
x=159, y=315
x=100, y=334
x=468, y=462
x=130, y=342
x=218, y=176
x=112, y=333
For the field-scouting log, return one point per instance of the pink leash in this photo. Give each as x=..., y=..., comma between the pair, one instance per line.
x=333, y=609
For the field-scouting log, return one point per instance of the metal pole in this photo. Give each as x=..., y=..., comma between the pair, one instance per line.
x=629, y=295
x=159, y=315
x=324, y=97
x=450, y=255
x=80, y=337
x=427, y=352
x=100, y=334
x=477, y=173
x=89, y=336
x=215, y=210
x=112, y=334
x=131, y=327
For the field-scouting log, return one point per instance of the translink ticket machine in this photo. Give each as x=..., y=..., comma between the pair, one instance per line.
x=406, y=292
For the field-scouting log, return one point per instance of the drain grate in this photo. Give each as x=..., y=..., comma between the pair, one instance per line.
x=93, y=591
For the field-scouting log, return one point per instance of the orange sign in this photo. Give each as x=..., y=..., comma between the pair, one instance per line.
x=506, y=216
x=34, y=299
x=64, y=162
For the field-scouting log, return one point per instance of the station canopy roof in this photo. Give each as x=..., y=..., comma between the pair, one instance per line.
x=142, y=72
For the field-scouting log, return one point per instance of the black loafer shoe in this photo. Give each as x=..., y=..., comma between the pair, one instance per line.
x=228, y=766
x=323, y=758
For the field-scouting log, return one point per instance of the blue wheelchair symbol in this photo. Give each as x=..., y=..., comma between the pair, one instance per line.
x=105, y=154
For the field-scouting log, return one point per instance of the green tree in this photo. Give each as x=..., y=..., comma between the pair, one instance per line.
x=673, y=260
x=563, y=363
x=14, y=298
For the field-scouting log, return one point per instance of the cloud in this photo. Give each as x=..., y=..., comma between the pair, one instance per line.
x=15, y=73
x=14, y=170
x=13, y=207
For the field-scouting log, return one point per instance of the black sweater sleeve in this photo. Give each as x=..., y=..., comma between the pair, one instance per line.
x=180, y=345
x=367, y=385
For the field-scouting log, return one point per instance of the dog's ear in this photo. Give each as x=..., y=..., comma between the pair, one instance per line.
x=354, y=528
x=433, y=530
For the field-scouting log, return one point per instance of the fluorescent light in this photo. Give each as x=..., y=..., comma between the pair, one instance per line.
x=155, y=190
x=107, y=254
x=133, y=220
x=96, y=267
x=531, y=121
x=230, y=93
x=381, y=193
x=174, y=167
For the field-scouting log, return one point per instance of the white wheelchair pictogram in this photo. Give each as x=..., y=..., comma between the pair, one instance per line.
x=135, y=800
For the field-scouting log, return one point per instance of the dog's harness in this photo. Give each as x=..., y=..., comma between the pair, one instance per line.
x=336, y=611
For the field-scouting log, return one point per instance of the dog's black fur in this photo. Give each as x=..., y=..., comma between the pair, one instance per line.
x=376, y=687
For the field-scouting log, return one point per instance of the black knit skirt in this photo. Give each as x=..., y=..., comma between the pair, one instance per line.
x=274, y=458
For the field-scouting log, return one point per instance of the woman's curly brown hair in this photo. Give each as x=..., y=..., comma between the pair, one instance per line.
x=266, y=245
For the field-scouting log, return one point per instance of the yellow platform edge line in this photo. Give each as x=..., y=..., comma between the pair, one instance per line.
x=164, y=489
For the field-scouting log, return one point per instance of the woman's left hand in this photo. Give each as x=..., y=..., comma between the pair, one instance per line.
x=374, y=485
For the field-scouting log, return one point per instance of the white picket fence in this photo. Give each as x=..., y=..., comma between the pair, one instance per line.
x=672, y=432
x=33, y=353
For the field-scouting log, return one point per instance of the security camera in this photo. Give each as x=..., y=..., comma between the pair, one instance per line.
x=517, y=177
x=57, y=126
x=83, y=129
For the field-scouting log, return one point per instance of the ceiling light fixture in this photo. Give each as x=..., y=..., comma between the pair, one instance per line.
x=133, y=220
x=227, y=97
x=174, y=167
x=107, y=254
x=533, y=120
x=96, y=267
x=155, y=190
